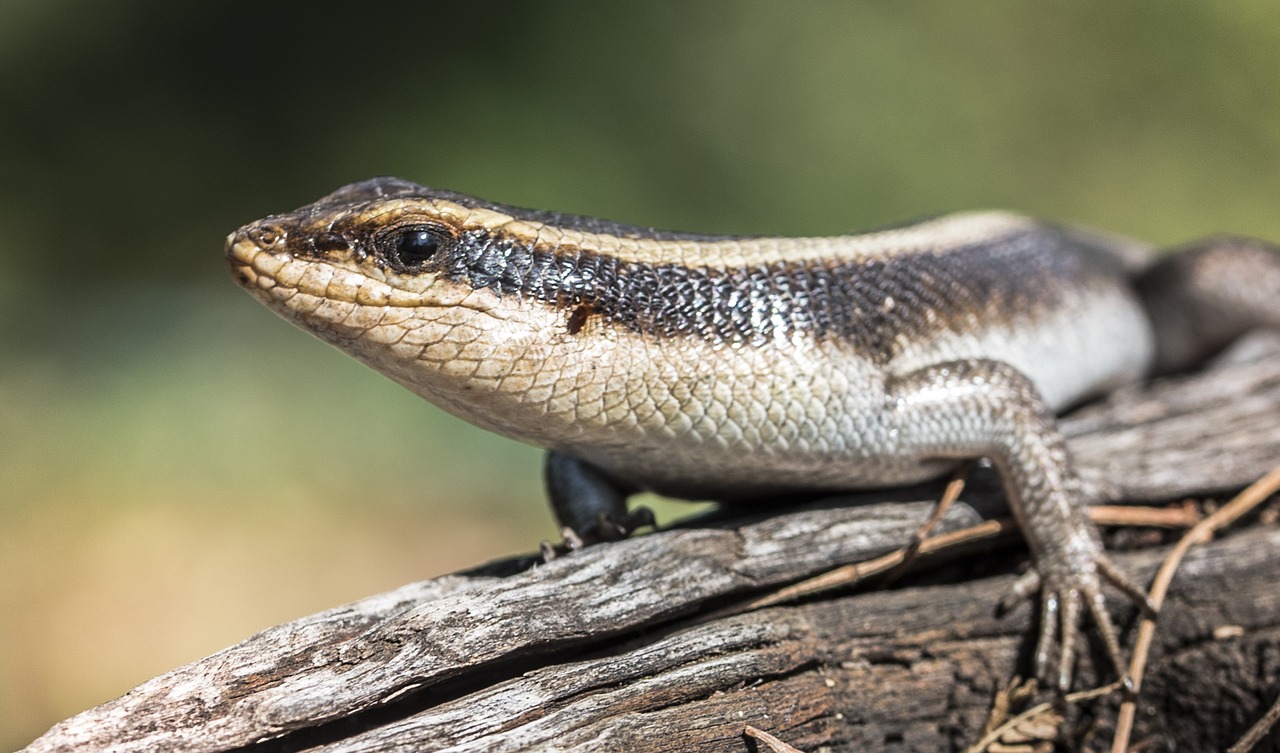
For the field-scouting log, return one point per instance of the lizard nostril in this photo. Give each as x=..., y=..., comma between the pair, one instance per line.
x=265, y=236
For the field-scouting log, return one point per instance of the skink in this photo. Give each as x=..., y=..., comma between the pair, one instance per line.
x=749, y=368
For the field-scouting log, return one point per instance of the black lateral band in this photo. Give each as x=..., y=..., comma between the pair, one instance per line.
x=871, y=303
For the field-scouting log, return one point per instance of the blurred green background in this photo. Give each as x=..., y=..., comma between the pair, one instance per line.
x=179, y=469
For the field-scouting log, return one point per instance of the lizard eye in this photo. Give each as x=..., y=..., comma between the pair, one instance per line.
x=408, y=248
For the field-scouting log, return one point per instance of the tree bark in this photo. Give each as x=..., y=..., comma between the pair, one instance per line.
x=625, y=646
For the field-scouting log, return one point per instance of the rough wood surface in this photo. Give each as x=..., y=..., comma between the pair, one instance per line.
x=611, y=648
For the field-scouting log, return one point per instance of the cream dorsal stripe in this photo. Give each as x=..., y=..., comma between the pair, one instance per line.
x=727, y=252
x=647, y=245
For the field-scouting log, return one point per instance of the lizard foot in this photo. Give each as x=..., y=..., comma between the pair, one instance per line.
x=606, y=528
x=609, y=527
x=1063, y=599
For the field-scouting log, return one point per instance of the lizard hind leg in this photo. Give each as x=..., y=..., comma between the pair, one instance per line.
x=985, y=408
x=1207, y=294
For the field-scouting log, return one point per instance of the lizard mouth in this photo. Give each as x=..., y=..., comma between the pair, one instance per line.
x=240, y=257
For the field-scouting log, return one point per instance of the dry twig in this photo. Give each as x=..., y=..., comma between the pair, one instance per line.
x=1039, y=723
x=776, y=745
x=1259, y=728
x=1203, y=531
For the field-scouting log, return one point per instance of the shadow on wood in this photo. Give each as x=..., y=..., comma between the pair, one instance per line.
x=612, y=649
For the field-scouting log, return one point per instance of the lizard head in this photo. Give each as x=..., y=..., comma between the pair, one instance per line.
x=395, y=274
x=381, y=235
x=381, y=242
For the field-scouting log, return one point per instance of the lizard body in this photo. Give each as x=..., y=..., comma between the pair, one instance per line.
x=732, y=368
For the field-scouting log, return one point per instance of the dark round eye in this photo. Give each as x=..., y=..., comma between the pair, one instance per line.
x=416, y=245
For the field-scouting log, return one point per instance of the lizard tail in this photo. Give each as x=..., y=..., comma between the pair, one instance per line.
x=1207, y=294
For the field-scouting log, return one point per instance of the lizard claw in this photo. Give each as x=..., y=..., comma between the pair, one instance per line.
x=570, y=542
x=1064, y=599
x=1117, y=578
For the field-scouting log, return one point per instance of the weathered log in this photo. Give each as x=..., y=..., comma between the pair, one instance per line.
x=616, y=647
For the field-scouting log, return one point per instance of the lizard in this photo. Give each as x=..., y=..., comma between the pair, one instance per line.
x=749, y=368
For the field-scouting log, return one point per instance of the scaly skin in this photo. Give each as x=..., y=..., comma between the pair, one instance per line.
x=734, y=368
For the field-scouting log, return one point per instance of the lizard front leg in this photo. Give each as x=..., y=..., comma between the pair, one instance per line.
x=984, y=408
x=589, y=505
